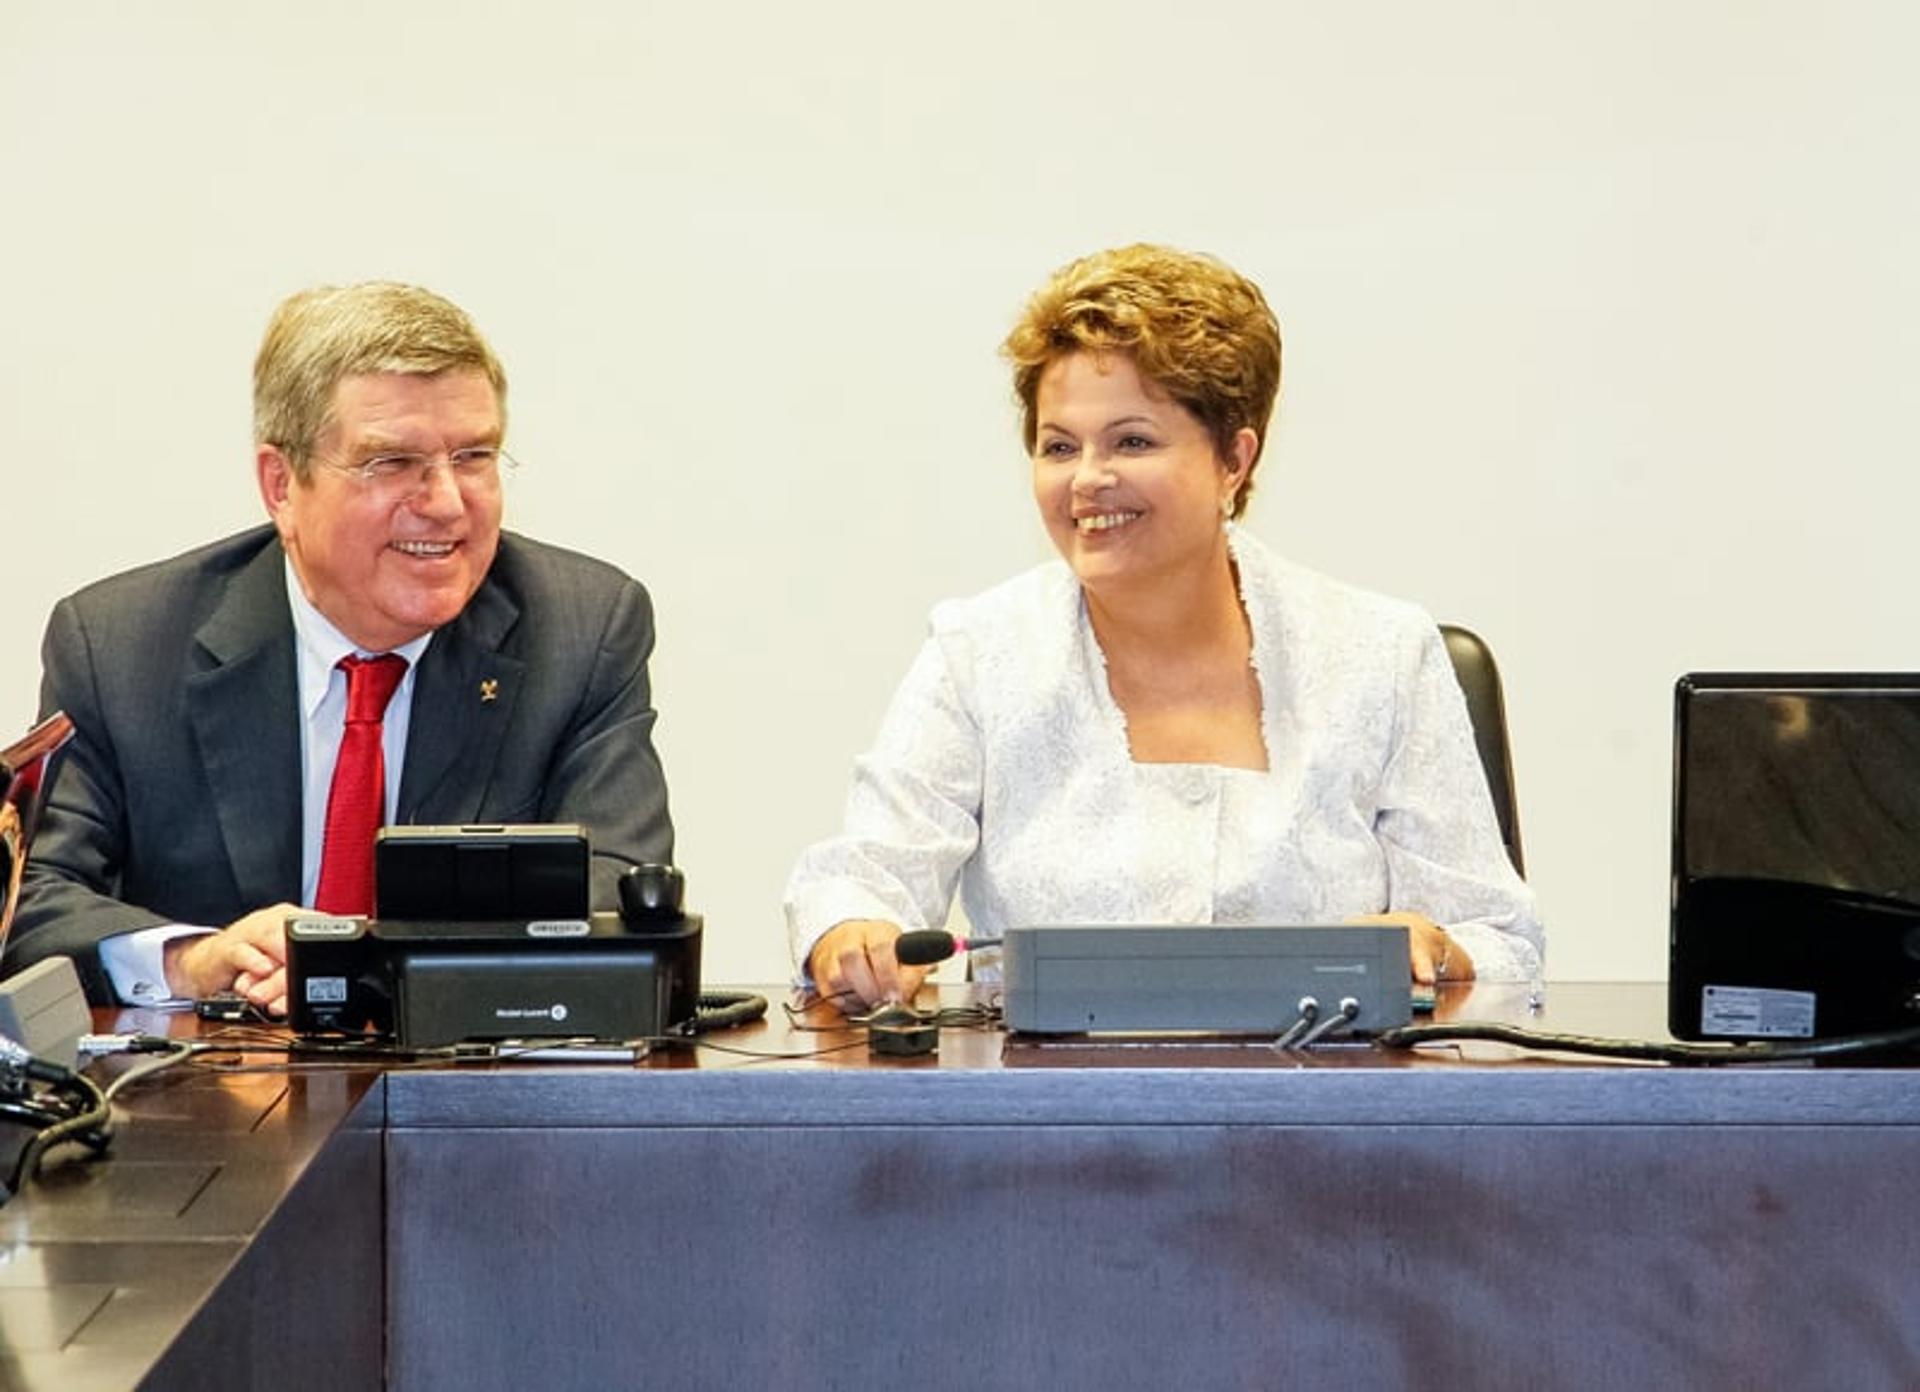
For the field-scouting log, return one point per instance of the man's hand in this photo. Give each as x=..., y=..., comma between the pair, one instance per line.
x=1437, y=955
x=247, y=957
x=853, y=967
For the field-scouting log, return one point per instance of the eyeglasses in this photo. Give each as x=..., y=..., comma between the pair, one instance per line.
x=399, y=472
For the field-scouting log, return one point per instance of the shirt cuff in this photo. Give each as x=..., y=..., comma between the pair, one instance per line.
x=135, y=963
x=1499, y=955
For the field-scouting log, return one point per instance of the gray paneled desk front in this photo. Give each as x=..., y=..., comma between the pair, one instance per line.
x=1044, y=1217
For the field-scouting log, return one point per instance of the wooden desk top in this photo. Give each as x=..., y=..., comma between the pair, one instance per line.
x=104, y=1263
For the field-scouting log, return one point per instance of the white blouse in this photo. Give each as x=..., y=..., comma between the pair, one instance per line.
x=1003, y=764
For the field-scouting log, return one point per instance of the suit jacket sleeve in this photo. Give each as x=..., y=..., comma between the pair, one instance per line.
x=68, y=903
x=604, y=771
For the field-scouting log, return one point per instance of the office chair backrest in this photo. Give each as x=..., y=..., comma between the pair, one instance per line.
x=26, y=770
x=1479, y=677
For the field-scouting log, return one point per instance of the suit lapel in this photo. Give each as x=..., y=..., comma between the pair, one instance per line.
x=463, y=701
x=246, y=725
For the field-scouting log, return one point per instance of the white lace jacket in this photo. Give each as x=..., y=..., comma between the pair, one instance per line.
x=1003, y=763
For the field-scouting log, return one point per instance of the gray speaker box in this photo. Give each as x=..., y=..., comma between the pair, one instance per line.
x=43, y=1010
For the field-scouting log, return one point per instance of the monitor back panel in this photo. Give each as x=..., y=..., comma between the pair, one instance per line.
x=1796, y=855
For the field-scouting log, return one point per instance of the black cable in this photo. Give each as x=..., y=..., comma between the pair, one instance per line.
x=542, y=1049
x=739, y=1051
x=946, y=1016
x=796, y=1019
x=178, y=1051
x=32, y=1113
x=346, y=1056
x=986, y=1015
x=318, y=1055
x=92, y=1127
x=796, y=1013
x=1693, y=1055
x=18, y=1068
x=981, y=1017
x=718, y=1010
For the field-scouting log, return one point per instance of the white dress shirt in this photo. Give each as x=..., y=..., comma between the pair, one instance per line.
x=1003, y=766
x=134, y=962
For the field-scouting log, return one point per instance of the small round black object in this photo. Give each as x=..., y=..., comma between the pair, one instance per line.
x=652, y=893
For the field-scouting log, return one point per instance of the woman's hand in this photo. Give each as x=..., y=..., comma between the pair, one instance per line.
x=1437, y=956
x=853, y=967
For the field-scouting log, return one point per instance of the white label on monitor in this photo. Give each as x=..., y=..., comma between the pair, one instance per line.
x=1754, y=1012
x=326, y=990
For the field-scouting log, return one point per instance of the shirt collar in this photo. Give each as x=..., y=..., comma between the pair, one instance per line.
x=320, y=646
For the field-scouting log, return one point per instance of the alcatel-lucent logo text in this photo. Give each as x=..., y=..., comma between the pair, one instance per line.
x=555, y=1012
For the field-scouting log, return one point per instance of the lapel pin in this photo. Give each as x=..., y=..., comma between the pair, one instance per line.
x=489, y=690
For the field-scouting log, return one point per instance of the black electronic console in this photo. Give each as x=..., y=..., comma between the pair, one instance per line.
x=545, y=969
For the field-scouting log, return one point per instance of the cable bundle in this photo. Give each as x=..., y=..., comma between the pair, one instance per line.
x=57, y=1103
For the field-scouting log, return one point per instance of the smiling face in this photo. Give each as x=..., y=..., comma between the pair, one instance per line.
x=387, y=561
x=1127, y=480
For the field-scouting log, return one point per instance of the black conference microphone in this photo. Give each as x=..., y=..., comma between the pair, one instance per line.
x=924, y=946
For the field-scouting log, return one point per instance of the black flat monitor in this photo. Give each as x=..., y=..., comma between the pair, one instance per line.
x=1796, y=855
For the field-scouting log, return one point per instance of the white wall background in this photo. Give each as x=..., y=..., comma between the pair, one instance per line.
x=1602, y=322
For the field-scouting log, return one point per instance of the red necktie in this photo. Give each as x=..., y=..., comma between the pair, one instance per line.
x=357, y=803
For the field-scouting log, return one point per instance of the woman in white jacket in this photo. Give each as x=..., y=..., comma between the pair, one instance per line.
x=1171, y=724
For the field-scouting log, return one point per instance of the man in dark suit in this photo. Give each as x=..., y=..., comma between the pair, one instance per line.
x=196, y=805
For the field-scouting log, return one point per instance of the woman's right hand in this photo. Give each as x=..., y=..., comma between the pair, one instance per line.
x=853, y=967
